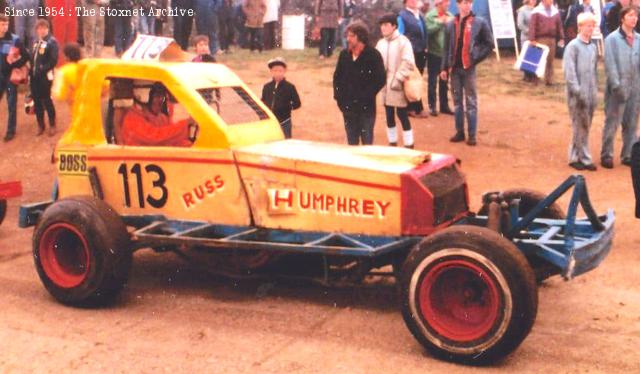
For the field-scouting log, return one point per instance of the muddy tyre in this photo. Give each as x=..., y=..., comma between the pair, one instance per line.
x=468, y=295
x=528, y=200
x=81, y=250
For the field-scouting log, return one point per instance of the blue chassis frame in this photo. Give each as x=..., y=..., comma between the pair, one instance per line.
x=575, y=246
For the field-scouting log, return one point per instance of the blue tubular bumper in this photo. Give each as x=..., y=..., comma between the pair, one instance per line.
x=30, y=213
x=547, y=239
x=573, y=245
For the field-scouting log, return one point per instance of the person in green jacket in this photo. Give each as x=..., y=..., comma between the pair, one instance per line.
x=436, y=19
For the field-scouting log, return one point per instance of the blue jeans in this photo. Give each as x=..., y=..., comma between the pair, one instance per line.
x=359, y=127
x=286, y=128
x=463, y=82
x=123, y=33
x=207, y=23
x=147, y=23
x=182, y=30
x=434, y=63
x=12, y=101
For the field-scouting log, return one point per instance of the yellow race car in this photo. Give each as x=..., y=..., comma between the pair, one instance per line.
x=184, y=157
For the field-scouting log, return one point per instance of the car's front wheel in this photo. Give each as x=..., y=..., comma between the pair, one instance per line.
x=468, y=295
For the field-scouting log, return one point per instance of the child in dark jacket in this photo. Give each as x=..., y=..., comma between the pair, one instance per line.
x=201, y=44
x=280, y=95
x=43, y=59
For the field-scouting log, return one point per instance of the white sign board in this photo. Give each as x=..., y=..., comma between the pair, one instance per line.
x=292, y=32
x=502, y=21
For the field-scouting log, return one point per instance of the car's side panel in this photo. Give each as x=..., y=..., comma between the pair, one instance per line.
x=181, y=183
x=303, y=195
x=73, y=171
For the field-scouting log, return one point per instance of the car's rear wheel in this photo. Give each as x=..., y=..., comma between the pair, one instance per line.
x=468, y=295
x=81, y=251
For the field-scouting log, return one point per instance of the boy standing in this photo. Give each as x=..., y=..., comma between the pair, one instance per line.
x=44, y=59
x=280, y=96
x=468, y=42
x=580, y=71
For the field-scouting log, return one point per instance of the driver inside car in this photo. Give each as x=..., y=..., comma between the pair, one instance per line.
x=150, y=124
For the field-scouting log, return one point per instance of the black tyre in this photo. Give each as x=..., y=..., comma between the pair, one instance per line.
x=82, y=252
x=528, y=200
x=3, y=210
x=468, y=295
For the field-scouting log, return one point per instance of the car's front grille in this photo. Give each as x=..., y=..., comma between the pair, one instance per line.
x=449, y=196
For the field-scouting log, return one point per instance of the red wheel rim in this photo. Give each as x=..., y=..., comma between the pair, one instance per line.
x=64, y=255
x=459, y=300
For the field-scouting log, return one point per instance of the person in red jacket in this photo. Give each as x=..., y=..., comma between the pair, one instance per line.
x=150, y=124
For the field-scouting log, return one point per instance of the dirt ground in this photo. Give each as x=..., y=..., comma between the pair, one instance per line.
x=174, y=317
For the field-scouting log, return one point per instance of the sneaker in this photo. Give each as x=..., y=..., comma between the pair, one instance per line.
x=433, y=112
x=472, y=141
x=626, y=161
x=447, y=111
x=457, y=138
x=52, y=131
x=607, y=163
x=409, y=146
x=393, y=144
x=590, y=167
x=9, y=137
x=40, y=131
x=577, y=165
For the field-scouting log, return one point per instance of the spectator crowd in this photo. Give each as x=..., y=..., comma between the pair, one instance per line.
x=422, y=37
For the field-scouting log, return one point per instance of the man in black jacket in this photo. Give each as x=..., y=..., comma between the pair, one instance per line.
x=10, y=44
x=280, y=96
x=358, y=78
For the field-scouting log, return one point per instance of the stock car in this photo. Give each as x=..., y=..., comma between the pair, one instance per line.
x=243, y=194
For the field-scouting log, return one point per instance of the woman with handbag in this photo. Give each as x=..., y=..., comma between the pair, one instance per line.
x=13, y=60
x=397, y=55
